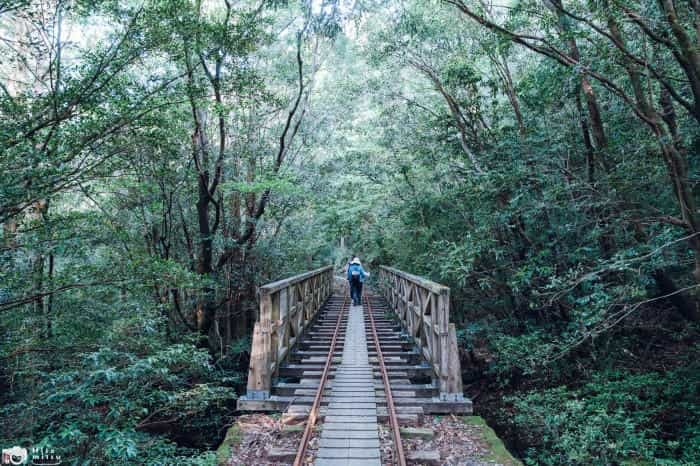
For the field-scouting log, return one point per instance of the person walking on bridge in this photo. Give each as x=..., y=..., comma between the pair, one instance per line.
x=356, y=277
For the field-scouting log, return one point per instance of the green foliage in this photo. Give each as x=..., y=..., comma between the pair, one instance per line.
x=557, y=269
x=278, y=185
x=428, y=141
x=107, y=406
x=615, y=418
x=101, y=357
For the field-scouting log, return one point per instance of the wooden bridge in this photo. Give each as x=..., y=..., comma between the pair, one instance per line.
x=392, y=359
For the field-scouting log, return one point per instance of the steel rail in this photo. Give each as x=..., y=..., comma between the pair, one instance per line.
x=390, y=409
x=313, y=413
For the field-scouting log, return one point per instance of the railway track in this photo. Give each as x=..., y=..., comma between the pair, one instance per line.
x=354, y=365
x=355, y=375
x=391, y=410
x=313, y=413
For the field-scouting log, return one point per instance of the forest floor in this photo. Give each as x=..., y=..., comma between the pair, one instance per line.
x=466, y=441
x=260, y=439
x=460, y=441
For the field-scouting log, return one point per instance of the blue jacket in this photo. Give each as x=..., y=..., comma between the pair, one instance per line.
x=354, y=269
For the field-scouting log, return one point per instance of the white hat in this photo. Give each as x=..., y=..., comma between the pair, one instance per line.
x=356, y=261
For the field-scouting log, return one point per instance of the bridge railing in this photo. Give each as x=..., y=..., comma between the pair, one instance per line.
x=286, y=309
x=423, y=307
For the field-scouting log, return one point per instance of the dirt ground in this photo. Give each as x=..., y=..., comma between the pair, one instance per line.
x=253, y=436
x=463, y=441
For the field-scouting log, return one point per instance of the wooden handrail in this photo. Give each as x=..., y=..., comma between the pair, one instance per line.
x=423, y=307
x=286, y=282
x=420, y=281
x=286, y=309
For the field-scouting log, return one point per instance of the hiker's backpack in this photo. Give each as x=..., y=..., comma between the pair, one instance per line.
x=355, y=275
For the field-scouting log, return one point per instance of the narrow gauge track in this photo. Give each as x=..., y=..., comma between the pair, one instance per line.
x=313, y=413
x=391, y=410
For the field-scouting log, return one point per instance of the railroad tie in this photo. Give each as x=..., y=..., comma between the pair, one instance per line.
x=350, y=434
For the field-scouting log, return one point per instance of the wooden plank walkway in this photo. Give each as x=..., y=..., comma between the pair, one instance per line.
x=350, y=434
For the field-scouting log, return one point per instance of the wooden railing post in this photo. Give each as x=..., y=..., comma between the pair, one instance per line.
x=286, y=308
x=443, y=321
x=259, y=377
x=454, y=390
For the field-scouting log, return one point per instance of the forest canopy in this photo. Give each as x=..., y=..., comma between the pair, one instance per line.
x=161, y=159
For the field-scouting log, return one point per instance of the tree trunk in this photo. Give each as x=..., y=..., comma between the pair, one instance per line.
x=595, y=120
x=49, y=304
x=675, y=162
x=680, y=300
x=585, y=132
x=689, y=56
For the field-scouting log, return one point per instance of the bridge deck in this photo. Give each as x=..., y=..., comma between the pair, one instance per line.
x=350, y=434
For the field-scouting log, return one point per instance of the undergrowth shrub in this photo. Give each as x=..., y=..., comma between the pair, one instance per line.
x=617, y=417
x=120, y=407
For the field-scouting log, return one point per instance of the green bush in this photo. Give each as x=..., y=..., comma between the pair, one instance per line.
x=618, y=417
x=110, y=407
